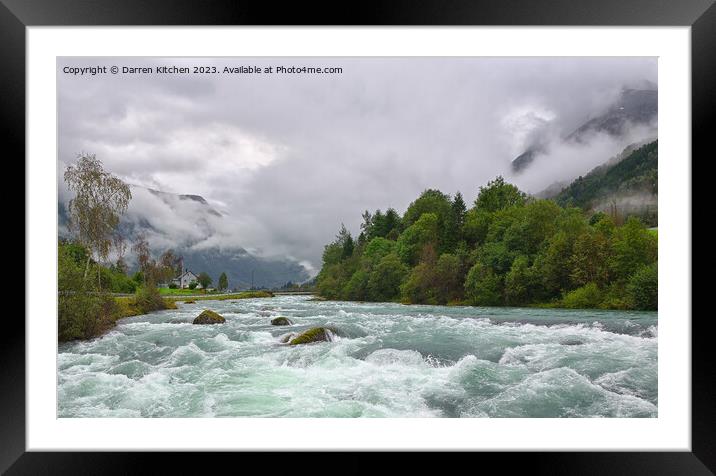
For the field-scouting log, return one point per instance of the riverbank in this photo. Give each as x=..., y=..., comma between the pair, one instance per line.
x=107, y=310
x=129, y=306
x=221, y=297
x=586, y=299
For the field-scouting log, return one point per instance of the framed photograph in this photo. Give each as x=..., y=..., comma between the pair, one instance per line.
x=414, y=228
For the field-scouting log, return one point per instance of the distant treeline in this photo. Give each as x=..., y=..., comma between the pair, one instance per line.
x=636, y=174
x=507, y=249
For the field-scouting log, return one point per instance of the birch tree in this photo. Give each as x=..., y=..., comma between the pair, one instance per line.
x=100, y=200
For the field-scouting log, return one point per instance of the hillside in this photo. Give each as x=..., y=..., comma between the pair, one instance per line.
x=628, y=183
x=633, y=107
x=186, y=223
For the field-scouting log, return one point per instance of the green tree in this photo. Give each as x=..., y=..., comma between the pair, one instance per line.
x=532, y=226
x=632, y=247
x=380, y=224
x=144, y=258
x=430, y=201
x=356, y=287
x=204, y=279
x=121, y=266
x=501, y=221
x=391, y=223
x=597, y=217
x=589, y=262
x=385, y=279
x=343, y=245
x=223, y=282
x=100, y=199
x=413, y=240
x=421, y=285
x=348, y=247
x=552, y=264
x=643, y=287
x=483, y=287
x=507, y=249
x=553, y=261
x=448, y=283
x=332, y=254
x=339, y=264
x=497, y=195
x=459, y=210
x=477, y=223
x=376, y=249
x=328, y=281
x=455, y=221
x=168, y=266
x=521, y=283
x=496, y=256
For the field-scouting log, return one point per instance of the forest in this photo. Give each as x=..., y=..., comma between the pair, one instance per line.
x=505, y=249
x=637, y=172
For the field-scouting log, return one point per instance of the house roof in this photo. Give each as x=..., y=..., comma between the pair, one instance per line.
x=184, y=274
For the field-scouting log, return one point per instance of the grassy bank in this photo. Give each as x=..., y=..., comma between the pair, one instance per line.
x=221, y=297
x=127, y=306
x=86, y=316
x=188, y=292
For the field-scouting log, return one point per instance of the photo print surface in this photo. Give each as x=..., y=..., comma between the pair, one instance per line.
x=450, y=237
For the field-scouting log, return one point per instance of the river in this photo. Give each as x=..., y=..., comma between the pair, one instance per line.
x=388, y=360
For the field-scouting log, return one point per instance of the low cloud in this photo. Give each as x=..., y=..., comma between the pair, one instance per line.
x=286, y=159
x=563, y=160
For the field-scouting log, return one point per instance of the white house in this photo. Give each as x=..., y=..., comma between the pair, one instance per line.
x=185, y=278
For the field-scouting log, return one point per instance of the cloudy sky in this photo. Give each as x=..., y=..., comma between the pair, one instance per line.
x=287, y=158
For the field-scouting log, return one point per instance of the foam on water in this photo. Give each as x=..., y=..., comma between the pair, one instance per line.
x=385, y=360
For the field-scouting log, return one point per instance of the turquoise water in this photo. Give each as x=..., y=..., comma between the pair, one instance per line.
x=387, y=360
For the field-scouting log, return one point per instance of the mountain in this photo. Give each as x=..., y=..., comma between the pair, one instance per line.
x=633, y=107
x=239, y=266
x=174, y=200
x=626, y=184
x=201, y=234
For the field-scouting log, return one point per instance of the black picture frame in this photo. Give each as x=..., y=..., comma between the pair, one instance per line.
x=700, y=15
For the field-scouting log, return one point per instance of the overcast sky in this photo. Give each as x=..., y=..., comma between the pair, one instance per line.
x=288, y=158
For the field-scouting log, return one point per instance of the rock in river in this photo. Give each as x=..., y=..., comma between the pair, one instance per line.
x=209, y=317
x=281, y=321
x=315, y=334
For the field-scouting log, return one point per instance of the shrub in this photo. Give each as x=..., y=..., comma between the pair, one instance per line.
x=643, y=288
x=587, y=297
x=615, y=297
x=82, y=315
x=173, y=286
x=81, y=311
x=483, y=287
x=193, y=285
x=148, y=299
